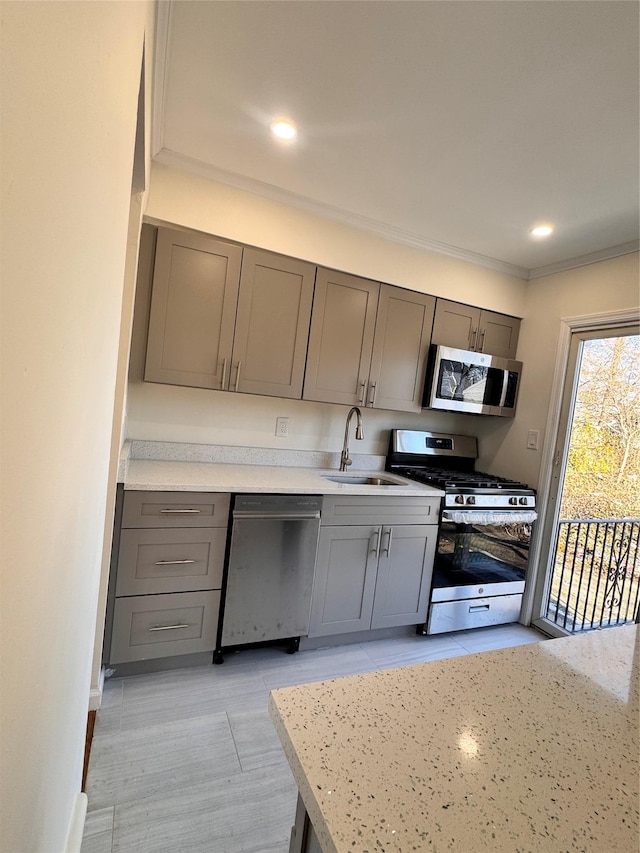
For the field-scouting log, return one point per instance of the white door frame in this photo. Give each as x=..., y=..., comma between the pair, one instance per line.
x=568, y=325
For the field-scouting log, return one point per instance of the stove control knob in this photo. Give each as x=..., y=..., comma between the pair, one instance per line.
x=523, y=501
x=459, y=499
x=513, y=501
x=471, y=500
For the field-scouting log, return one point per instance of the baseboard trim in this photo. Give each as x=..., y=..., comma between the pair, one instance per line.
x=95, y=694
x=76, y=824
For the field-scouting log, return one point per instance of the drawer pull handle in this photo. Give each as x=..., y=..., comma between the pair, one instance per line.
x=167, y=627
x=173, y=562
x=180, y=511
x=476, y=608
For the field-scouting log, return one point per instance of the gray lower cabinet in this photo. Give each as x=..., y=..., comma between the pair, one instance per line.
x=169, y=574
x=375, y=574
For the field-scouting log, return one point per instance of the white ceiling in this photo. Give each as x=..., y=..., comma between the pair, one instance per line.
x=453, y=125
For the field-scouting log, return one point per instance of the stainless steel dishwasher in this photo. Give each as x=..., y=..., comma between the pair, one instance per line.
x=269, y=577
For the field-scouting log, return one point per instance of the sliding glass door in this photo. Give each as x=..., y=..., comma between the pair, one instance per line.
x=590, y=539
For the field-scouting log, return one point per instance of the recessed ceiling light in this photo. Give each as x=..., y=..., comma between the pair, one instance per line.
x=541, y=231
x=284, y=129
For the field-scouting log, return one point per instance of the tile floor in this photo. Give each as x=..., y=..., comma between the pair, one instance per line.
x=188, y=760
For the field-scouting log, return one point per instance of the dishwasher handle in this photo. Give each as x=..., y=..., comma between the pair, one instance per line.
x=276, y=516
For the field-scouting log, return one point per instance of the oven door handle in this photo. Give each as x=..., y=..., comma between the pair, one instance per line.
x=486, y=517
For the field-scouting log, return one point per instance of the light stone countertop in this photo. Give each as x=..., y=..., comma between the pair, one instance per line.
x=164, y=475
x=532, y=748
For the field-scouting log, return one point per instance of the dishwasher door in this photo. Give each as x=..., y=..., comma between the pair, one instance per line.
x=274, y=540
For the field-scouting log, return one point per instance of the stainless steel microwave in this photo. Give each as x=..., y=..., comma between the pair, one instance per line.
x=473, y=382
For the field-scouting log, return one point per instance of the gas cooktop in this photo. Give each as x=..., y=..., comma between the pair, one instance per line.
x=447, y=462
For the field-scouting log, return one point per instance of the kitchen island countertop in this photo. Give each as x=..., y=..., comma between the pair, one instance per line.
x=532, y=748
x=166, y=475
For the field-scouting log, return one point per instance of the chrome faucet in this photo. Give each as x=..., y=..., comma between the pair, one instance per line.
x=344, y=456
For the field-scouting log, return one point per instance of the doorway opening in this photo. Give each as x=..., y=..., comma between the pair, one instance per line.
x=591, y=533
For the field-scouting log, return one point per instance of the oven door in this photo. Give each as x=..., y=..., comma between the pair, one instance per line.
x=481, y=553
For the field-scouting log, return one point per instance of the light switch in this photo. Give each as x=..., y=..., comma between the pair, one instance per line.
x=533, y=437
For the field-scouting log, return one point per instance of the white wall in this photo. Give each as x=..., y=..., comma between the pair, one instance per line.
x=70, y=76
x=599, y=288
x=166, y=413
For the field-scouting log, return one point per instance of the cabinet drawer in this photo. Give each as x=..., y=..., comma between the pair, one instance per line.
x=352, y=509
x=473, y=613
x=176, y=560
x=175, y=509
x=157, y=626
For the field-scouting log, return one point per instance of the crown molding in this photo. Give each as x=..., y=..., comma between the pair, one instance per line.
x=182, y=163
x=585, y=260
x=163, y=28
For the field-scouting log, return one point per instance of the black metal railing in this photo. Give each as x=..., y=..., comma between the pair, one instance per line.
x=596, y=574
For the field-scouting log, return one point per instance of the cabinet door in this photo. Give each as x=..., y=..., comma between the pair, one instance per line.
x=498, y=334
x=344, y=580
x=341, y=338
x=272, y=325
x=400, y=349
x=193, y=310
x=455, y=325
x=404, y=575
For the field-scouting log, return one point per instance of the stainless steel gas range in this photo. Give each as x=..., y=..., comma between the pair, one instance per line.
x=485, y=531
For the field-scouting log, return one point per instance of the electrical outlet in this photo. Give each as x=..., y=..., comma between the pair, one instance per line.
x=532, y=439
x=282, y=427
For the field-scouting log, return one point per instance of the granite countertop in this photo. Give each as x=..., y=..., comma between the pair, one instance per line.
x=532, y=748
x=166, y=475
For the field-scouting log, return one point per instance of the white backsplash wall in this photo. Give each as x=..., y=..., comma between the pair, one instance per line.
x=199, y=416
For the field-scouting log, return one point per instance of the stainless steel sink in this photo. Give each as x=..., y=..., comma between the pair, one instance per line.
x=362, y=481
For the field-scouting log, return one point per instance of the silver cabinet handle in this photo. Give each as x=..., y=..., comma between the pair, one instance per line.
x=223, y=382
x=167, y=627
x=389, y=533
x=378, y=534
x=238, y=376
x=173, y=562
x=477, y=608
x=374, y=388
x=180, y=511
x=363, y=385
x=481, y=344
x=473, y=334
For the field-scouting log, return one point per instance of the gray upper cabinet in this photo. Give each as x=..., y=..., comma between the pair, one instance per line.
x=469, y=328
x=368, y=344
x=193, y=310
x=341, y=338
x=498, y=334
x=227, y=318
x=272, y=325
x=400, y=349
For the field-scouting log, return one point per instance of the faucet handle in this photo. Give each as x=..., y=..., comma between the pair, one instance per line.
x=347, y=461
